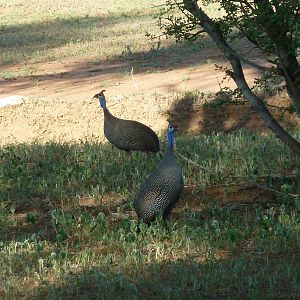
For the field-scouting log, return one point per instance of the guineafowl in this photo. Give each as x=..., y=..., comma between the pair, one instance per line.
x=162, y=189
x=127, y=135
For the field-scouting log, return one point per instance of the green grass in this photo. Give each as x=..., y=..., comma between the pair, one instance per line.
x=81, y=38
x=53, y=247
x=57, y=171
x=80, y=31
x=87, y=29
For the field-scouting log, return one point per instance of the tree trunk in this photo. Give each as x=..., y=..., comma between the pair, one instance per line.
x=289, y=65
x=238, y=75
x=279, y=33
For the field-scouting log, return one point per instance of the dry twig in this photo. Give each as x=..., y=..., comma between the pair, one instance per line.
x=263, y=187
x=194, y=163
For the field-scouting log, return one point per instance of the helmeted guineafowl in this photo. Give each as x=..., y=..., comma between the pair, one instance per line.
x=162, y=189
x=127, y=135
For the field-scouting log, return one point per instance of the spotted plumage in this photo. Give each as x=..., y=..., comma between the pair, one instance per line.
x=162, y=189
x=127, y=135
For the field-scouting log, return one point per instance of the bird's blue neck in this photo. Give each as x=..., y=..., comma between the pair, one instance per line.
x=171, y=139
x=102, y=101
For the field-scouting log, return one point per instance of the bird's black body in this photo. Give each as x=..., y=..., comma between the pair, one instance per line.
x=161, y=190
x=127, y=135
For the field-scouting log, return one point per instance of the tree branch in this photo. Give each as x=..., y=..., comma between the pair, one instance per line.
x=238, y=75
x=257, y=66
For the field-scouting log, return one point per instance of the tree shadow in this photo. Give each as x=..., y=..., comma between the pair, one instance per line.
x=183, y=279
x=200, y=113
x=54, y=170
x=31, y=39
x=28, y=40
x=38, y=179
x=34, y=37
x=73, y=255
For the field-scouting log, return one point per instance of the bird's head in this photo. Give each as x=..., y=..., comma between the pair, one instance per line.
x=100, y=96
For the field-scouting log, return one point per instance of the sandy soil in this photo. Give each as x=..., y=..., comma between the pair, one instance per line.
x=60, y=105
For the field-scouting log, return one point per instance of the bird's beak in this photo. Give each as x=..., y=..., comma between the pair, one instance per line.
x=99, y=94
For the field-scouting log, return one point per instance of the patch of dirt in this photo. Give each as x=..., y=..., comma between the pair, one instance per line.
x=195, y=118
x=197, y=200
x=194, y=115
x=19, y=225
x=61, y=108
x=237, y=195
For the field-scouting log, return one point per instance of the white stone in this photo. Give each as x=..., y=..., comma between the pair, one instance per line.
x=12, y=100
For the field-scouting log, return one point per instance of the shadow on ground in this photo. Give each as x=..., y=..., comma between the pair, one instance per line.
x=223, y=279
x=68, y=230
x=197, y=113
x=39, y=179
x=28, y=40
x=33, y=37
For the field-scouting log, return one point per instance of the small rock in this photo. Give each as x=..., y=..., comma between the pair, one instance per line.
x=12, y=100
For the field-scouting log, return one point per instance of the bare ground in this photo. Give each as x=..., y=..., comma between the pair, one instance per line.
x=60, y=105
